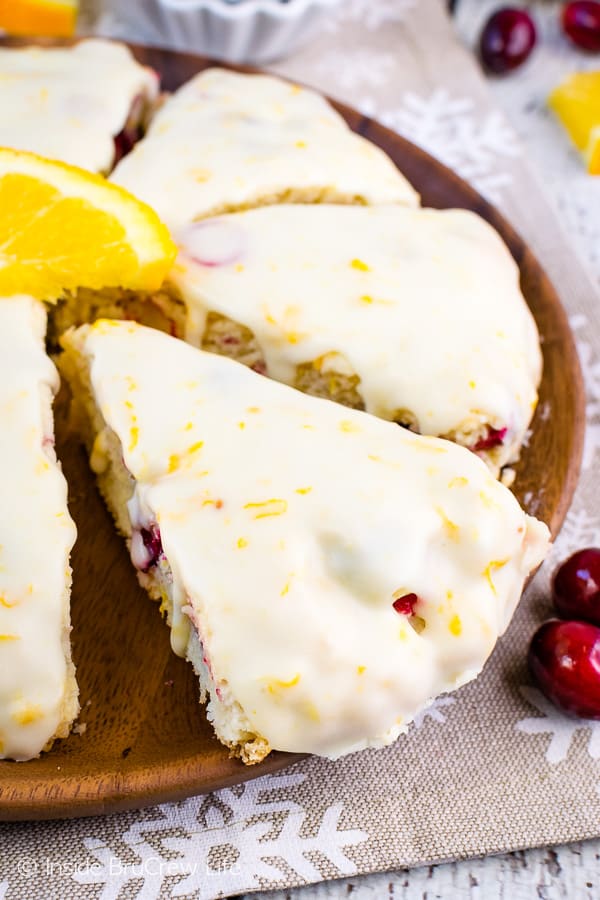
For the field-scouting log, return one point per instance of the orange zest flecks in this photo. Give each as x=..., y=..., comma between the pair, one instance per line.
x=494, y=565
x=274, y=507
x=28, y=714
x=286, y=588
x=218, y=504
x=455, y=626
x=277, y=685
x=134, y=436
x=451, y=529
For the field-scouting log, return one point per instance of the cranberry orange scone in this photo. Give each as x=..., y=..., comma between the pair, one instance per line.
x=415, y=315
x=326, y=572
x=38, y=692
x=228, y=141
x=83, y=105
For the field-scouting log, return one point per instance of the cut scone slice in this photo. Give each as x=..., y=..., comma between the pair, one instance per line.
x=415, y=315
x=227, y=141
x=326, y=572
x=85, y=105
x=38, y=692
x=60, y=227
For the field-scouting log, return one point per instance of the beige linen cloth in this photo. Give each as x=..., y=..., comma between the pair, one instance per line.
x=493, y=767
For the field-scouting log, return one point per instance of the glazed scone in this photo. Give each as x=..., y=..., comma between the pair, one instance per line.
x=415, y=315
x=326, y=572
x=38, y=692
x=228, y=141
x=82, y=105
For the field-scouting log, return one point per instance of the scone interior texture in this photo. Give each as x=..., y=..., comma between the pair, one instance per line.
x=415, y=315
x=82, y=105
x=226, y=141
x=326, y=572
x=38, y=691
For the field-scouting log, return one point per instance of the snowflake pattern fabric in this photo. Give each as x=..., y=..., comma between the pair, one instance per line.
x=562, y=729
x=496, y=751
x=233, y=837
x=434, y=712
x=477, y=146
x=371, y=14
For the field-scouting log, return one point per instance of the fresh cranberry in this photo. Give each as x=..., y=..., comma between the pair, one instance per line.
x=493, y=438
x=506, y=40
x=405, y=606
x=576, y=586
x=581, y=23
x=153, y=545
x=564, y=659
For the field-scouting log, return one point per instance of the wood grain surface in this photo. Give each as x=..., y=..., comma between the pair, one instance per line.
x=146, y=739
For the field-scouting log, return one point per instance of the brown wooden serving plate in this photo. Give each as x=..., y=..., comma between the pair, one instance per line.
x=146, y=738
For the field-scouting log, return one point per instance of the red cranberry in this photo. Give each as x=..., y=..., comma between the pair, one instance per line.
x=405, y=606
x=124, y=142
x=506, y=40
x=581, y=23
x=213, y=242
x=576, y=586
x=259, y=367
x=493, y=438
x=153, y=545
x=564, y=659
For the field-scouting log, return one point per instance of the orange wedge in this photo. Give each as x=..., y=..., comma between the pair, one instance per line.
x=62, y=228
x=576, y=102
x=52, y=18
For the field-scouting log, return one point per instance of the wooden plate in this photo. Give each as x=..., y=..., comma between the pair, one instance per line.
x=146, y=738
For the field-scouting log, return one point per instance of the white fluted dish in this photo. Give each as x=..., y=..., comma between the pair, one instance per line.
x=249, y=31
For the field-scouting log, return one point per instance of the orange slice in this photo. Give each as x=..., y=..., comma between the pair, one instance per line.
x=576, y=102
x=62, y=228
x=53, y=18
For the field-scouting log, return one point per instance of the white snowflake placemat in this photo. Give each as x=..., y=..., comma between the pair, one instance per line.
x=494, y=767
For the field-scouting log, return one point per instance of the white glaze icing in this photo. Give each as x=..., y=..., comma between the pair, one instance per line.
x=36, y=536
x=69, y=103
x=290, y=525
x=227, y=140
x=424, y=305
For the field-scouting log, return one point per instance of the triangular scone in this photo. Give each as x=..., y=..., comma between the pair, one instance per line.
x=82, y=105
x=229, y=141
x=38, y=692
x=326, y=572
x=414, y=314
